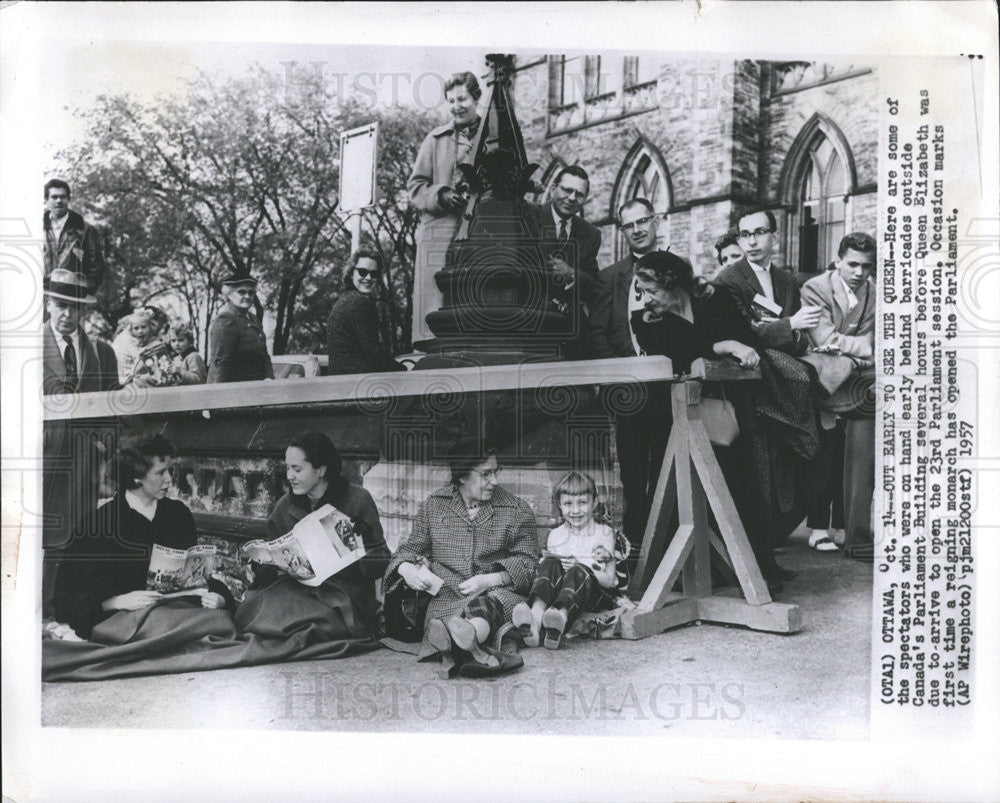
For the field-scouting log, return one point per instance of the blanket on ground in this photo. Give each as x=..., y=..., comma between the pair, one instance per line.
x=283, y=622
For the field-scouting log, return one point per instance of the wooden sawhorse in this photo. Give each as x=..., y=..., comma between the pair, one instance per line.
x=691, y=480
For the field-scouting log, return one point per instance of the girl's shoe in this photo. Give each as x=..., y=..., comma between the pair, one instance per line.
x=554, y=624
x=524, y=621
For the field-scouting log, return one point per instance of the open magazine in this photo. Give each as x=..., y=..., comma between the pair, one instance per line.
x=186, y=572
x=181, y=572
x=318, y=546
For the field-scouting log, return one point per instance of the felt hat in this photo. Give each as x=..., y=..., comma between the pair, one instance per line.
x=67, y=285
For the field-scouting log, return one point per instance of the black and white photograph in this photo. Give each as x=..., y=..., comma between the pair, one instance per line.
x=650, y=383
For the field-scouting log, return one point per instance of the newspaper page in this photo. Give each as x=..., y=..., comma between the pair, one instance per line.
x=200, y=139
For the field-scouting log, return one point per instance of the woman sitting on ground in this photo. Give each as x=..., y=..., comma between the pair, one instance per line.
x=482, y=542
x=344, y=607
x=356, y=343
x=105, y=571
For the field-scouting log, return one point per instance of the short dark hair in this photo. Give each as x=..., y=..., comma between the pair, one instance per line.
x=667, y=270
x=357, y=256
x=182, y=330
x=635, y=202
x=319, y=451
x=57, y=184
x=731, y=237
x=857, y=241
x=761, y=210
x=574, y=483
x=136, y=458
x=465, y=454
x=572, y=170
x=466, y=79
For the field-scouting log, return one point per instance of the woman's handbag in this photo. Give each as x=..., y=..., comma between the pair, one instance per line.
x=719, y=418
x=404, y=610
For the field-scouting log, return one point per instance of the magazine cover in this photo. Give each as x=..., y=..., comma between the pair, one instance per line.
x=173, y=570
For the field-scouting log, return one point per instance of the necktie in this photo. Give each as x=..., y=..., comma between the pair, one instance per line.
x=563, y=231
x=72, y=374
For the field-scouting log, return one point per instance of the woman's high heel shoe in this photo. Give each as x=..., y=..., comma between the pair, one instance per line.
x=463, y=634
x=438, y=638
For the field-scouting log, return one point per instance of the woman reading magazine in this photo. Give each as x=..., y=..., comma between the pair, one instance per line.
x=132, y=630
x=344, y=606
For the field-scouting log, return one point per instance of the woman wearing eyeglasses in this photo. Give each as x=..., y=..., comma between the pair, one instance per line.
x=356, y=343
x=482, y=542
x=237, y=347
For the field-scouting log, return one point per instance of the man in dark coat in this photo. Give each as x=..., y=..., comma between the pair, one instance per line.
x=571, y=245
x=640, y=432
x=236, y=341
x=71, y=361
x=71, y=449
x=769, y=295
x=70, y=242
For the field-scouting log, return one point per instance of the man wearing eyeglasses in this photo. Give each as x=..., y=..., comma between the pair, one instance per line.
x=571, y=245
x=616, y=295
x=770, y=294
x=640, y=435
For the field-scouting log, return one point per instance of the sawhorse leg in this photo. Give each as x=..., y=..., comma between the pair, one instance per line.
x=691, y=481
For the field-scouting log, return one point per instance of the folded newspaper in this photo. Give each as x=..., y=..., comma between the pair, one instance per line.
x=318, y=546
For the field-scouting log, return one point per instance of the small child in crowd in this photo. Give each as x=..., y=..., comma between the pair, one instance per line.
x=577, y=569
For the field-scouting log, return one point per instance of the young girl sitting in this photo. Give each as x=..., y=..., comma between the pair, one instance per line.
x=577, y=569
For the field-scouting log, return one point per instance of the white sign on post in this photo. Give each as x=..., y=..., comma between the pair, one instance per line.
x=358, y=157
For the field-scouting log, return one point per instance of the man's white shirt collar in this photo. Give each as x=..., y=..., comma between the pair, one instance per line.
x=558, y=221
x=58, y=224
x=145, y=509
x=764, y=277
x=852, y=298
x=75, y=337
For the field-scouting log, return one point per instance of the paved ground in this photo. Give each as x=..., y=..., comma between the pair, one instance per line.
x=693, y=681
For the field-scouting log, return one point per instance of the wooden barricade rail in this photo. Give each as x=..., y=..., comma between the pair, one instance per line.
x=690, y=481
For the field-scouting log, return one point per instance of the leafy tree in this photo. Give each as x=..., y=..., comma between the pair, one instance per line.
x=242, y=176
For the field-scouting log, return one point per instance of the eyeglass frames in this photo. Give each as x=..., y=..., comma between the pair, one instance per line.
x=366, y=272
x=635, y=224
x=756, y=234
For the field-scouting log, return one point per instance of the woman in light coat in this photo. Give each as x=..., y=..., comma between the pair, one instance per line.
x=432, y=190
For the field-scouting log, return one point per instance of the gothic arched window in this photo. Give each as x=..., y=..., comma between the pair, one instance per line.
x=817, y=184
x=643, y=174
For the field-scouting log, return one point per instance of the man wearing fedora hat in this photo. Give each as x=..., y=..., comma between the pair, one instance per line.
x=236, y=341
x=72, y=362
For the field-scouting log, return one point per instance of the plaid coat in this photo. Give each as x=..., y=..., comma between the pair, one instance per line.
x=501, y=536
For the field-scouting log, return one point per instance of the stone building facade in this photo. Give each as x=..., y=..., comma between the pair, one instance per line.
x=706, y=139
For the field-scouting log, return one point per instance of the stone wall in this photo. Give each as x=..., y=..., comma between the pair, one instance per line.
x=724, y=139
